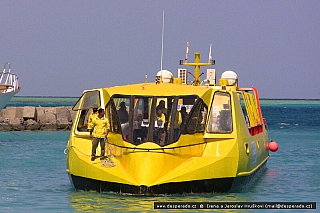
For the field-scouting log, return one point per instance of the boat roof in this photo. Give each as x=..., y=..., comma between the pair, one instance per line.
x=160, y=89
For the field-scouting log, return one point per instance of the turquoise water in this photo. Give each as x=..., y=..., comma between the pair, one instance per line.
x=42, y=101
x=33, y=177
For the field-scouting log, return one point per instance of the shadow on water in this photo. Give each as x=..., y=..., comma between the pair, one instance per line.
x=105, y=202
x=81, y=201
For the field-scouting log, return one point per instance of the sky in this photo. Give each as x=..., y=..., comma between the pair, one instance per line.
x=60, y=48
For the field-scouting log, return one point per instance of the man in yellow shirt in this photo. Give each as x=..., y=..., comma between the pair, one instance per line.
x=93, y=114
x=100, y=128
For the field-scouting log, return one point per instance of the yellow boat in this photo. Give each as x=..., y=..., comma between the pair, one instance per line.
x=214, y=138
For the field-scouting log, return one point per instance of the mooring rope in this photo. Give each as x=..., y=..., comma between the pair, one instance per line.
x=105, y=162
x=108, y=147
x=66, y=150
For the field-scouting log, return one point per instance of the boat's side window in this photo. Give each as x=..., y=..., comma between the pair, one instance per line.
x=83, y=120
x=85, y=104
x=197, y=118
x=244, y=109
x=220, y=116
x=111, y=112
x=89, y=99
x=122, y=105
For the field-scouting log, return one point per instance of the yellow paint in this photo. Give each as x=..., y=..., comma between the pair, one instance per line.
x=194, y=157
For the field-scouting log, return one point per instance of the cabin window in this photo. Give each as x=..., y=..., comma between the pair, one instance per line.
x=88, y=101
x=220, y=115
x=111, y=114
x=197, y=118
x=83, y=121
x=149, y=118
x=141, y=119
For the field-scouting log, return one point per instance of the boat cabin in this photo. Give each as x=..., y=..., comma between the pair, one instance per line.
x=158, y=119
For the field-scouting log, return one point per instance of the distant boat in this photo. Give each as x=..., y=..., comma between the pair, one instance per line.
x=9, y=85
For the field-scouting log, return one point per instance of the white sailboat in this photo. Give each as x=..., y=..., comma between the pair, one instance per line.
x=9, y=85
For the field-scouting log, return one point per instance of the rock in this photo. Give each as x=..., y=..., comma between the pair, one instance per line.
x=15, y=121
x=72, y=114
x=36, y=118
x=31, y=125
x=12, y=112
x=16, y=124
x=48, y=127
x=29, y=113
x=46, y=115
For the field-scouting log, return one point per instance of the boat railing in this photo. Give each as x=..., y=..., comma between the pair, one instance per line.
x=9, y=82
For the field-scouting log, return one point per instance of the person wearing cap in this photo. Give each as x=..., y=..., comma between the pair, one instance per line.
x=99, y=130
x=93, y=114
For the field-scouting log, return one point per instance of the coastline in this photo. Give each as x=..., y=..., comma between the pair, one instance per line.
x=39, y=113
x=31, y=118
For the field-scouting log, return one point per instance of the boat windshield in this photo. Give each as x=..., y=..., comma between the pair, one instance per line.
x=88, y=100
x=156, y=119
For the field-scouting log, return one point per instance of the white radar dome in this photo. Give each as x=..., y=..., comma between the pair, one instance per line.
x=231, y=76
x=167, y=76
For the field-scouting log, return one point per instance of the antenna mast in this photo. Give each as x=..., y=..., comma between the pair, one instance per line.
x=197, y=64
x=187, y=51
x=162, y=40
x=210, y=56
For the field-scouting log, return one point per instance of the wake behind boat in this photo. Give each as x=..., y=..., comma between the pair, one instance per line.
x=172, y=135
x=9, y=85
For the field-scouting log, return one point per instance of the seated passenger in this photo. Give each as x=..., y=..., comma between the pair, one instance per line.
x=159, y=133
x=184, y=115
x=160, y=117
x=162, y=106
x=137, y=122
x=139, y=133
x=123, y=114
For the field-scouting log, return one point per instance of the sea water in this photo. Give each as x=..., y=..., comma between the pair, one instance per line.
x=33, y=174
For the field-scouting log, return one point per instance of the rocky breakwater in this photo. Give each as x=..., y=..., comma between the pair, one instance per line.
x=30, y=118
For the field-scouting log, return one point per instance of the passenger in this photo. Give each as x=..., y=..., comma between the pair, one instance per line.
x=159, y=130
x=138, y=133
x=184, y=115
x=162, y=105
x=100, y=128
x=123, y=114
x=93, y=114
x=160, y=116
x=137, y=122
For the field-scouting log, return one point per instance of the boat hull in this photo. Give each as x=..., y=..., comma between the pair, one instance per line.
x=5, y=98
x=218, y=185
x=207, y=159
